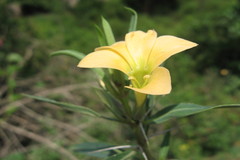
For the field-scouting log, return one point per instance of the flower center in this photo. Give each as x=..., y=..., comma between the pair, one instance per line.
x=139, y=76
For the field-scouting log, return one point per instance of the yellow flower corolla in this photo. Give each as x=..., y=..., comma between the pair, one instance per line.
x=139, y=57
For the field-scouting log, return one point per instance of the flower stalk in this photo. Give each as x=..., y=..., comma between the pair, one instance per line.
x=140, y=98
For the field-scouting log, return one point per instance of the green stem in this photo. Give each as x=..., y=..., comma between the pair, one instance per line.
x=142, y=141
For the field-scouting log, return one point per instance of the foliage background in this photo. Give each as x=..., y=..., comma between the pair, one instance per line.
x=207, y=75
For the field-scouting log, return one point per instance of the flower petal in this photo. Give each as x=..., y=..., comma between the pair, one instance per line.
x=121, y=49
x=140, y=44
x=104, y=59
x=167, y=46
x=159, y=83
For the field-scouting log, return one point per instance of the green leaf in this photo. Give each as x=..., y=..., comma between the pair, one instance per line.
x=183, y=110
x=71, y=53
x=108, y=32
x=73, y=107
x=165, y=146
x=133, y=21
x=227, y=106
x=97, y=149
x=101, y=36
x=122, y=156
x=112, y=104
x=94, y=149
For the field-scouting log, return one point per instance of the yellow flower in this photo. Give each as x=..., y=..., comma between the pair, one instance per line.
x=139, y=57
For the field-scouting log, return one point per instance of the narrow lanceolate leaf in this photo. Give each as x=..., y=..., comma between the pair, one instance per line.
x=71, y=53
x=108, y=31
x=122, y=156
x=73, y=107
x=97, y=149
x=227, y=106
x=183, y=110
x=133, y=21
x=101, y=36
x=165, y=146
x=92, y=149
x=111, y=103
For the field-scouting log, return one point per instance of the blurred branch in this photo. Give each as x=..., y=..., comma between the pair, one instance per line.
x=59, y=124
x=25, y=123
x=16, y=142
x=68, y=131
x=58, y=90
x=6, y=143
x=39, y=139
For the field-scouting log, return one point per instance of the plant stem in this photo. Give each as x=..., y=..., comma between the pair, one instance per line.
x=142, y=141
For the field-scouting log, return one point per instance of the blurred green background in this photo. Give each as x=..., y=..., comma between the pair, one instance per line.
x=208, y=74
